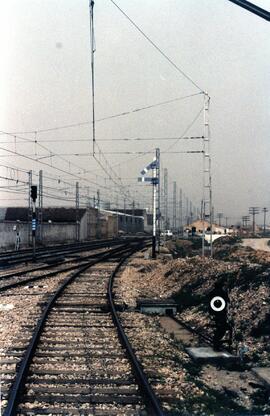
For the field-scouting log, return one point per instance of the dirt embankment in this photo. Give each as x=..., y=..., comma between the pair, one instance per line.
x=245, y=273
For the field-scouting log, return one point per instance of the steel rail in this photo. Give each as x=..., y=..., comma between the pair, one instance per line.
x=48, y=266
x=146, y=390
x=21, y=376
x=9, y=261
x=29, y=250
x=55, y=272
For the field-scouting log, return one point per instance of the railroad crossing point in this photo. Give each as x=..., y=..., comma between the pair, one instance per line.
x=263, y=373
x=207, y=355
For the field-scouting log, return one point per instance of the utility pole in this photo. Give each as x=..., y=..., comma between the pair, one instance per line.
x=158, y=198
x=245, y=220
x=132, y=218
x=254, y=211
x=220, y=215
x=187, y=210
x=174, y=207
x=226, y=219
x=40, y=205
x=166, y=198
x=190, y=212
x=207, y=177
x=29, y=208
x=77, y=206
x=264, y=210
x=34, y=218
x=181, y=211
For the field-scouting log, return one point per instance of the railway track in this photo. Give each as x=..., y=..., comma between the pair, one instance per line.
x=44, y=254
x=30, y=275
x=78, y=360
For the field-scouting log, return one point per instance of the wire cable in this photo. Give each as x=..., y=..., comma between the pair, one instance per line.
x=158, y=48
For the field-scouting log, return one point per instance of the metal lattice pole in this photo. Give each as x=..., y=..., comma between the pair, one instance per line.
x=166, y=198
x=158, y=199
x=207, y=178
x=181, y=211
x=174, y=206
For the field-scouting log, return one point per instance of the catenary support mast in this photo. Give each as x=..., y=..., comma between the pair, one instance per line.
x=207, y=179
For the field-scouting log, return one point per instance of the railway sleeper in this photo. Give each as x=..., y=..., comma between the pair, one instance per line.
x=79, y=398
x=84, y=390
x=73, y=411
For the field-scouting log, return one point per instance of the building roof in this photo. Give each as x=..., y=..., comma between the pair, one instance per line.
x=57, y=214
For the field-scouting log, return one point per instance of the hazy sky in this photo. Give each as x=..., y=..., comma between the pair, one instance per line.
x=45, y=83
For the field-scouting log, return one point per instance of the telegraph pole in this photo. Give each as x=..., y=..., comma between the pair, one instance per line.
x=253, y=211
x=245, y=220
x=40, y=205
x=264, y=210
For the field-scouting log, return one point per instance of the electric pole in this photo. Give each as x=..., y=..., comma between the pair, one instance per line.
x=181, y=212
x=220, y=216
x=187, y=211
x=264, y=210
x=191, y=213
x=174, y=206
x=253, y=211
x=158, y=197
x=166, y=198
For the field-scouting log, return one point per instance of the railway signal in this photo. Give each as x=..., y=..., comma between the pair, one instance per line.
x=155, y=181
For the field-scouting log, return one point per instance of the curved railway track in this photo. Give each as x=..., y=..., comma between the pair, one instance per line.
x=22, y=277
x=79, y=360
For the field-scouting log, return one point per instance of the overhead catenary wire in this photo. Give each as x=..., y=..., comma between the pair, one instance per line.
x=122, y=114
x=158, y=48
x=135, y=152
x=125, y=139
